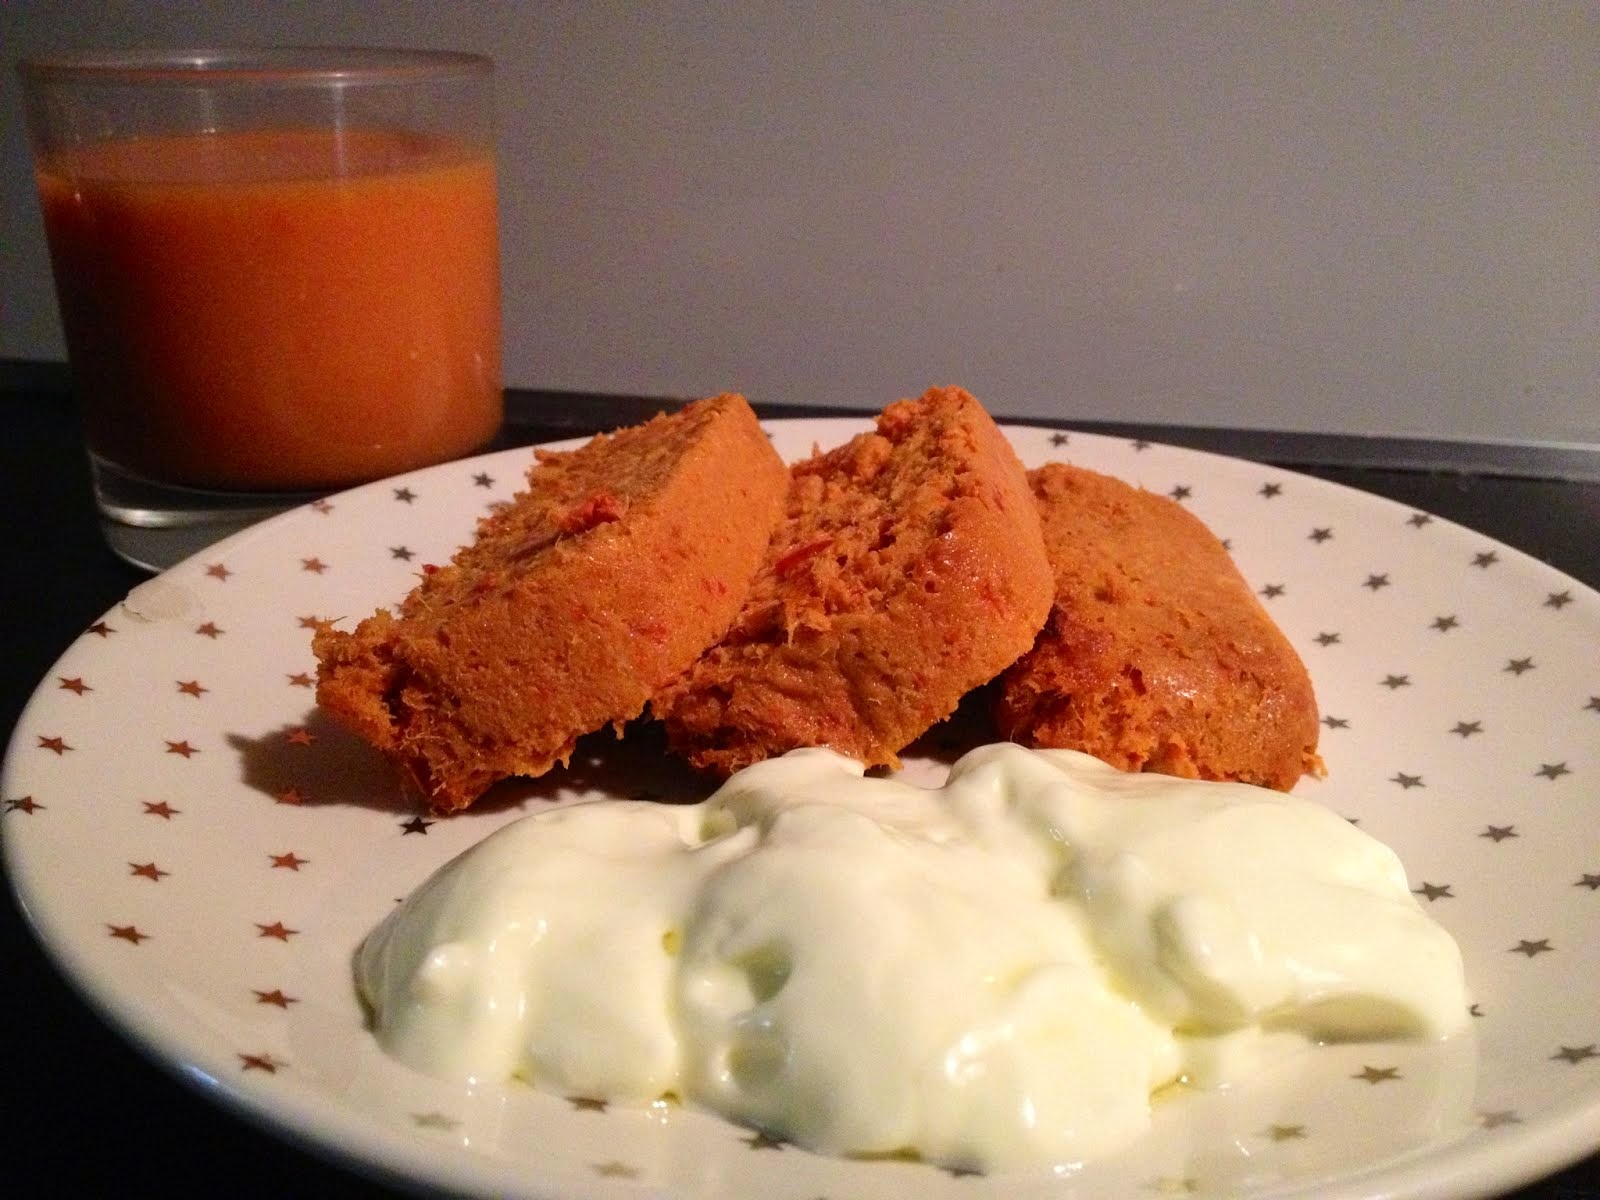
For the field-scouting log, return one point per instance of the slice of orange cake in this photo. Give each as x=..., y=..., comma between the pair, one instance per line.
x=620, y=563
x=1157, y=655
x=909, y=567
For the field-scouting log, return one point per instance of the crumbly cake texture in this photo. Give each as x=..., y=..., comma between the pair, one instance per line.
x=620, y=563
x=1157, y=655
x=909, y=567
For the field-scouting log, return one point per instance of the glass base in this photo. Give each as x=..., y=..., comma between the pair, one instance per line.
x=157, y=525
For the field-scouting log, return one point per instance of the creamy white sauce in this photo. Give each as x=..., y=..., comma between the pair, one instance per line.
x=996, y=974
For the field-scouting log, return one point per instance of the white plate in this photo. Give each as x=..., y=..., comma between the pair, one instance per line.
x=202, y=853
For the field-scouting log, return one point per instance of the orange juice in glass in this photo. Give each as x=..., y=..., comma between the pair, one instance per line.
x=277, y=270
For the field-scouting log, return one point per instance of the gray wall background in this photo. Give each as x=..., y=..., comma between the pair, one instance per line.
x=1348, y=217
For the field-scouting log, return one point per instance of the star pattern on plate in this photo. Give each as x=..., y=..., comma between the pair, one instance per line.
x=435, y=1120
x=1325, y=585
x=1499, y=1118
x=1577, y=1054
x=1377, y=1075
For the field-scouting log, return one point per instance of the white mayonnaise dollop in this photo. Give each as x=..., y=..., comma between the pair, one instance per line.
x=996, y=974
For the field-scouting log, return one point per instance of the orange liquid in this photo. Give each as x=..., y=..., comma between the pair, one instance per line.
x=238, y=318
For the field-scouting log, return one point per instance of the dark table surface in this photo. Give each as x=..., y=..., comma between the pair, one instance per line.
x=84, y=1114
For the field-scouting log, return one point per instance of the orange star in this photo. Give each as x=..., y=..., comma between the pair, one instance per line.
x=149, y=871
x=300, y=736
x=259, y=1062
x=275, y=997
x=291, y=796
x=24, y=804
x=101, y=629
x=301, y=679
x=290, y=861
x=191, y=687
x=276, y=930
x=74, y=684
x=218, y=571
x=55, y=745
x=160, y=808
x=183, y=748
x=315, y=565
x=128, y=933
x=209, y=629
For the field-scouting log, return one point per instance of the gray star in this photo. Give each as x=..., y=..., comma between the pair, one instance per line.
x=1593, y=705
x=1059, y=439
x=1486, y=559
x=1553, y=770
x=1327, y=639
x=404, y=494
x=1499, y=833
x=1558, y=600
x=1272, y=591
x=1466, y=728
x=1592, y=882
x=1269, y=490
x=1376, y=582
x=1407, y=781
x=1377, y=1075
x=1446, y=623
x=1140, y=444
x=434, y=1120
x=1321, y=535
x=1336, y=722
x=1518, y=666
x=1532, y=947
x=1393, y=682
x=402, y=553
x=1418, y=520
x=1434, y=891
x=1182, y=492
x=586, y=1104
x=1576, y=1054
